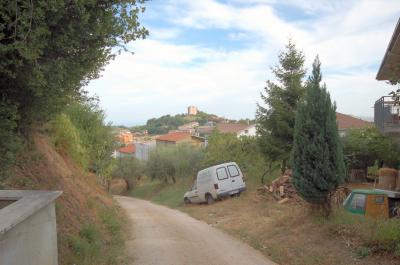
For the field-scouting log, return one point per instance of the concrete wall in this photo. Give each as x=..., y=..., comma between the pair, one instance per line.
x=32, y=238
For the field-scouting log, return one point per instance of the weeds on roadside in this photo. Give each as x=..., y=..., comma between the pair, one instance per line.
x=373, y=235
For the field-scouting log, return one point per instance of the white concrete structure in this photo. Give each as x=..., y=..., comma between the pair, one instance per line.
x=28, y=234
x=143, y=149
x=248, y=131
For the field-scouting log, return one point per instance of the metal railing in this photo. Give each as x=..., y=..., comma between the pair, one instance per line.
x=387, y=115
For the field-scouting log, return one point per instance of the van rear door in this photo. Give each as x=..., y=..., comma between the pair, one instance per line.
x=224, y=181
x=236, y=177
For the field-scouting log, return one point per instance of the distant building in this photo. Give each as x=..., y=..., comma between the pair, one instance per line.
x=346, y=122
x=126, y=151
x=205, y=131
x=125, y=137
x=239, y=129
x=174, y=138
x=192, y=110
x=143, y=149
x=189, y=127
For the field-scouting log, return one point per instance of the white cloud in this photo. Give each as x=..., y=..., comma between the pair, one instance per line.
x=164, y=77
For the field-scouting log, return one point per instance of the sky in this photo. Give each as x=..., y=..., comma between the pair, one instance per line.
x=218, y=54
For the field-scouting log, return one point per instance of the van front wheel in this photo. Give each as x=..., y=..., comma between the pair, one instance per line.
x=209, y=199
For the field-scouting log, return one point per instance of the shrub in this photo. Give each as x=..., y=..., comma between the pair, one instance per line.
x=128, y=168
x=111, y=221
x=167, y=163
x=67, y=139
x=10, y=142
x=95, y=135
x=244, y=151
x=363, y=147
x=378, y=235
x=86, y=245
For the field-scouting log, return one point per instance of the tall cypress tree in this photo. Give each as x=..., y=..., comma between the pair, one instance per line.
x=276, y=116
x=317, y=156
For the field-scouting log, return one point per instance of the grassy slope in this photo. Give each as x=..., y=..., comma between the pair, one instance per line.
x=288, y=234
x=89, y=224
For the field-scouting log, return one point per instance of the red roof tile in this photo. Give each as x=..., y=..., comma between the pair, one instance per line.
x=345, y=121
x=173, y=137
x=231, y=127
x=129, y=149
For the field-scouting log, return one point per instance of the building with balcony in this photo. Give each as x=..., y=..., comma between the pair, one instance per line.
x=387, y=108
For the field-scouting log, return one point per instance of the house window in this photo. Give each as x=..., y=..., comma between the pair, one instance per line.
x=221, y=173
x=246, y=131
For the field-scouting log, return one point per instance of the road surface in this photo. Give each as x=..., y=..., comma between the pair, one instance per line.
x=162, y=236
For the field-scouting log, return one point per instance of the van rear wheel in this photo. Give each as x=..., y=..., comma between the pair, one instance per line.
x=186, y=200
x=209, y=199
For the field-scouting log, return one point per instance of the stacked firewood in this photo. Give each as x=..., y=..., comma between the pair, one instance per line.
x=282, y=190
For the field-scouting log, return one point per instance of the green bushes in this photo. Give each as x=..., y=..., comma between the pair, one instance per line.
x=167, y=163
x=378, y=235
x=86, y=245
x=67, y=139
x=99, y=244
x=130, y=169
x=363, y=147
x=80, y=131
x=95, y=135
x=10, y=141
x=244, y=151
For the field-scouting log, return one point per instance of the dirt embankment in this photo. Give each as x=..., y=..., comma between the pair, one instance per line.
x=83, y=197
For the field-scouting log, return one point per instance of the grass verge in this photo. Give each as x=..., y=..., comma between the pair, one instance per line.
x=369, y=235
x=100, y=243
x=289, y=233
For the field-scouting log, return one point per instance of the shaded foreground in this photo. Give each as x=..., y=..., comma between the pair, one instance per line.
x=164, y=236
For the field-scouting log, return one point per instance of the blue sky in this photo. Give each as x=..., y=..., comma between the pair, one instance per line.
x=217, y=55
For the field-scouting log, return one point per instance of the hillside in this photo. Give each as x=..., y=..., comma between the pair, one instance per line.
x=169, y=122
x=88, y=222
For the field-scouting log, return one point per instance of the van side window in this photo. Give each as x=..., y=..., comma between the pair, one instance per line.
x=379, y=199
x=221, y=173
x=358, y=202
x=233, y=171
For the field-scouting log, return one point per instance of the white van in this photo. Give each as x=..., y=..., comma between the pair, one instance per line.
x=216, y=182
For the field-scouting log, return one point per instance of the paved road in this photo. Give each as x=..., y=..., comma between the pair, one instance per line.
x=162, y=236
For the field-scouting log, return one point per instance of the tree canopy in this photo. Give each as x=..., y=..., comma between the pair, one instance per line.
x=276, y=114
x=50, y=49
x=317, y=157
x=364, y=147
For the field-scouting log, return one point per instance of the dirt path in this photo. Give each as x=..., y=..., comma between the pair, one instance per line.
x=169, y=237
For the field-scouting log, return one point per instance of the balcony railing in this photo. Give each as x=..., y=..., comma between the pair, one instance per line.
x=387, y=115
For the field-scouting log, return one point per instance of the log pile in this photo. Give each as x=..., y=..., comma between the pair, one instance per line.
x=281, y=188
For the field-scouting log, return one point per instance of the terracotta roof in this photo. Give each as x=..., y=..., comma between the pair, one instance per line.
x=205, y=129
x=231, y=127
x=129, y=149
x=345, y=121
x=173, y=137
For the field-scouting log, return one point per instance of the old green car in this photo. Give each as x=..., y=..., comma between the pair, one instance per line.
x=373, y=203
